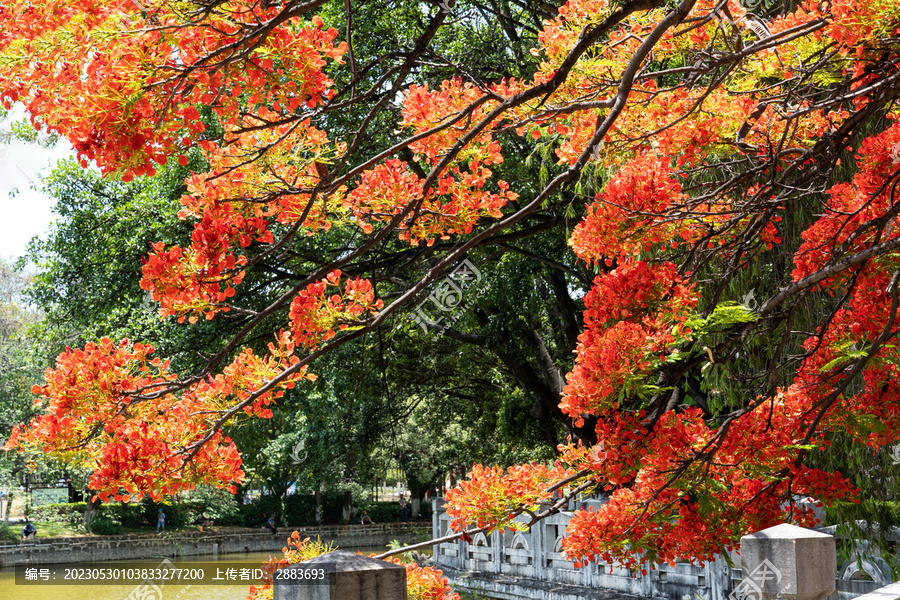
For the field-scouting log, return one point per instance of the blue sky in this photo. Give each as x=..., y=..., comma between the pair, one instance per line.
x=25, y=213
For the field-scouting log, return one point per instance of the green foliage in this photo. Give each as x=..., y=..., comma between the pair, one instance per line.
x=21, y=363
x=877, y=476
x=332, y=507
x=419, y=401
x=69, y=513
x=23, y=131
x=355, y=422
x=105, y=524
x=220, y=505
x=724, y=317
x=300, y=510
x=177, y=515
x=396, y=545
x=255, y=512
x=484, y=386
x=8, y=533
x=129, y=515
x=72, y=514
x=386, y=512
x=89, y=265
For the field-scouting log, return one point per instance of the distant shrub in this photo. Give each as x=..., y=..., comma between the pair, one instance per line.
x=222, y=509
x=221, y=506
x=105, y=524
x=332, y=507
x=176, y=514
x=8, y=533
x=72, y=513
x=300, y=510
x=66, y=514
x=388, y=511
x=130, y=515
x=384, y=512
x=255, y=513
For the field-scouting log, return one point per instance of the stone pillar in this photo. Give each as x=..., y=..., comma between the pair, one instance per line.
x=436, y=508
x=496, y=550
x=341, y=575
x=537, y=548
x=787, y=562
x=718, y=578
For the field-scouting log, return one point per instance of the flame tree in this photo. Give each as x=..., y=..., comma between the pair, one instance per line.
x=716, y=148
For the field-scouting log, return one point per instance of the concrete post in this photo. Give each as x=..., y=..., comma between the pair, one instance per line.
x=341, y=575
x=718, y=578
x=437, y=509
x=787, y=562
x=537, y=548
x=496, y=550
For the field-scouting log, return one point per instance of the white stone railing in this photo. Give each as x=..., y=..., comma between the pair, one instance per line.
x=534, y=557
x=784, y=562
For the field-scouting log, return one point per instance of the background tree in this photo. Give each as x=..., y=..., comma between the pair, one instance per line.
x=88, y=271
x=716, y=152
x=20, y=365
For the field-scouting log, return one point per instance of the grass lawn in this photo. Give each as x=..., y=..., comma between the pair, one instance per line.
x=54, y=530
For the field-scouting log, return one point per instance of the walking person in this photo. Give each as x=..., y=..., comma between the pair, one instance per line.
x=160, y=521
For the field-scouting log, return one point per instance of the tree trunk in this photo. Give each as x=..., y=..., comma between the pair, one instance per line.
x=9, y=499
x=347, y=513
x=90, y=511
x=318, y=496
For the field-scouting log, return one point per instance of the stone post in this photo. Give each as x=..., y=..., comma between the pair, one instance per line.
x=436, y=520
x=787, y=562
x=341, y=575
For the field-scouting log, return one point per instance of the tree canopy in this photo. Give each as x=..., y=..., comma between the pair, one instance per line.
x=724, y=179
x=87, y=282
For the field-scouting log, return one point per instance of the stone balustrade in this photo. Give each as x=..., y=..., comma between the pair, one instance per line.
x=529, y=564
x=784, y=562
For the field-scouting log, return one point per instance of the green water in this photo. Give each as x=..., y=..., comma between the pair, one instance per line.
x=10, y=590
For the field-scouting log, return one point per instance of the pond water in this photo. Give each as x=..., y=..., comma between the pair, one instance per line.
x=10, y=589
